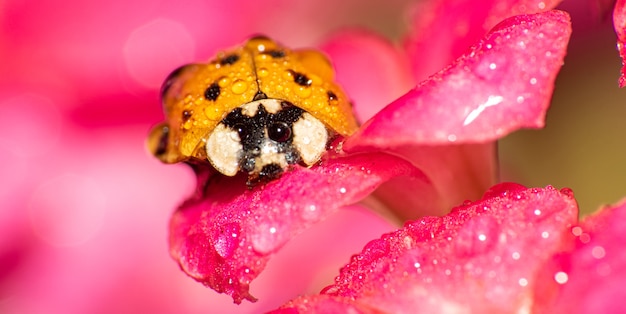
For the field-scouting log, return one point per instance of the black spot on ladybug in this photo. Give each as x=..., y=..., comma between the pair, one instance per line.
x=163, y=141
x=230, y=59
x=259, y=37
x=271, y=172
x=301, y=79
x=276, y=54
x=171, y=78
x=331, y=95
x=186, y=115
x=212, y=92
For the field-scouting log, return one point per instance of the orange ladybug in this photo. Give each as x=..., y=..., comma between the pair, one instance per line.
x=257, y=108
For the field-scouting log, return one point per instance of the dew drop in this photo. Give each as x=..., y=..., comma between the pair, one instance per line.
x=568, y=192
x=223, y=82
x=375, y=249
x=239, y=87
x=342, y=190
x=227, y=240
x=503, y=190
x=212, y=113
x=515, y=255
x=310, y=213
x=263, y=72
x=533, y=81
x=476, y=236
x=303, y=91
x=267, y=238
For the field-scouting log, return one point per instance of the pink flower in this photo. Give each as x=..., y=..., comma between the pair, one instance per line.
x=84, y=209
x=422, y=144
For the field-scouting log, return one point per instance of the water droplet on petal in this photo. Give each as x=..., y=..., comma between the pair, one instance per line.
x=476, y=236
x=267, y=238
x=568, y=192
x=503, y=190
x=310, y=213
x=227, y=240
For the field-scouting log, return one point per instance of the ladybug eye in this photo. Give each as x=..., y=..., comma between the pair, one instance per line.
x=279, y=132
x=241, y=130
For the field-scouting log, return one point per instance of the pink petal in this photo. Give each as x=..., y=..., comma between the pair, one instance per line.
x=225, y=239
x=324, y=304
x=456, y=172
x=480, y=258
x=443, y=30
x=619, y=22
x=372, y=71
x=504, y=83
x=589, y=276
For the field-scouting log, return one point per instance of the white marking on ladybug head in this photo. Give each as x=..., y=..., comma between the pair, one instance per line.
x=223, y=148
x=271, y=105
x=310, y=137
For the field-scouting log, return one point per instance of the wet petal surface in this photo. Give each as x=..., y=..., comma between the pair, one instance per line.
x=502, y=84
x=224, y=239
x=594, y=253
x=481, y=258
x=441, y=30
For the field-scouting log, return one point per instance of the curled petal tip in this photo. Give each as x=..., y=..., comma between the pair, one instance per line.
x=619, y=23
x=502, y=84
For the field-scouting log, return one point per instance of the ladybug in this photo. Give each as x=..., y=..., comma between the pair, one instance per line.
x=257, y=108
